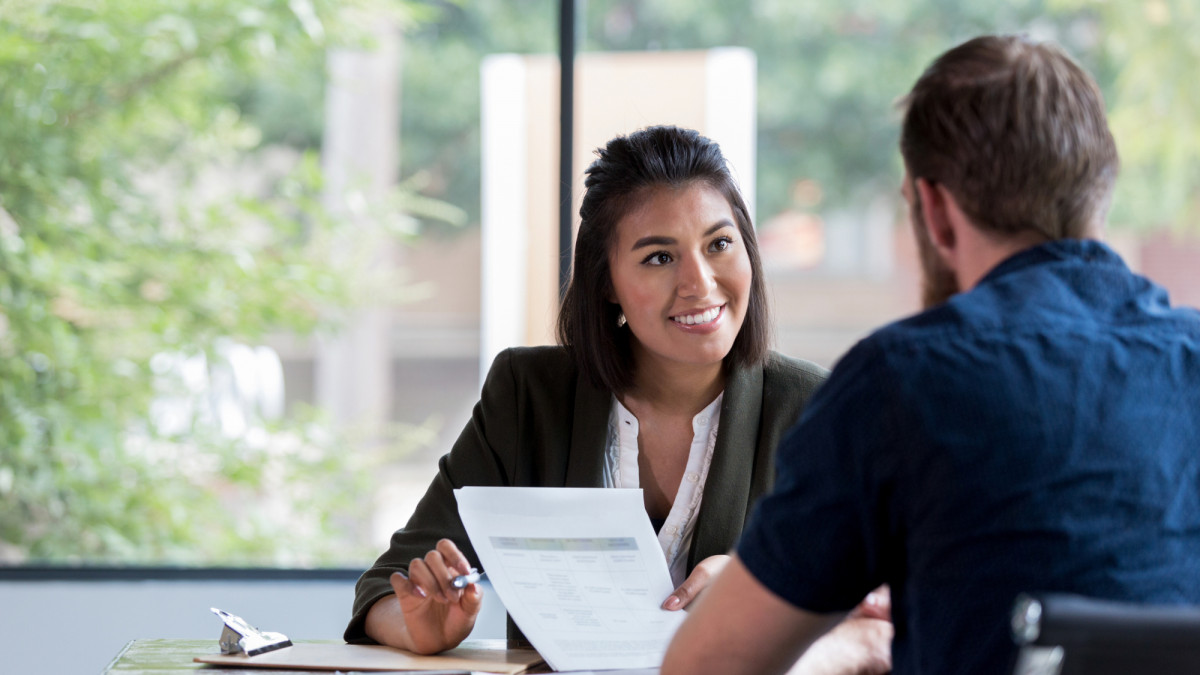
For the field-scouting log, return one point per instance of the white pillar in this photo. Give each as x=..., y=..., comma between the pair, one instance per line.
x=731, y=114
x=504, y=214
x=359, y=158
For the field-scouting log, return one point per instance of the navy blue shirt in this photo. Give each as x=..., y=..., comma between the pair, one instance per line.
x=1040, y=432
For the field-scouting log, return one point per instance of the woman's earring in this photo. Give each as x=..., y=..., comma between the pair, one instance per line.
x=620, y=319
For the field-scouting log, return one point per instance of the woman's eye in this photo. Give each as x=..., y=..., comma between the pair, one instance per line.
x=722, y=244
x=657, y=258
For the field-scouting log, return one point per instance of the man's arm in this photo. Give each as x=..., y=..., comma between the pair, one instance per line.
x=738, y=626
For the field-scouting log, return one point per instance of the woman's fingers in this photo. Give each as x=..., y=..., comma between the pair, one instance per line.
x=696, y=582
x=443, y=574
x=456, y=564
x=434, y=574
x=404, y=587
x=454, y=558
x=424, y=578
x=472, y=599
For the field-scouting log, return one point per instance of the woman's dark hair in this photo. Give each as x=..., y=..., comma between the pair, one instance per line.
x=625, y=172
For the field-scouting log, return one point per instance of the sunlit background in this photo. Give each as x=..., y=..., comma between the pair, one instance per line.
x=254, y=255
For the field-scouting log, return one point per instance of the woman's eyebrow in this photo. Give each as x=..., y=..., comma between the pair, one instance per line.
x=722, y=223
x=652, y=240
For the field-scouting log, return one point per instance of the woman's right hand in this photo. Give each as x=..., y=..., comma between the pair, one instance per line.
x=434, y=616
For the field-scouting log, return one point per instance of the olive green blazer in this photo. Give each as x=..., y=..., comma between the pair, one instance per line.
x=538, y=423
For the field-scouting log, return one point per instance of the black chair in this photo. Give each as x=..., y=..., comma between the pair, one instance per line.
x=1073, y=635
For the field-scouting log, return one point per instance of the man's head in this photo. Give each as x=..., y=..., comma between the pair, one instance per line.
x=1016, y=132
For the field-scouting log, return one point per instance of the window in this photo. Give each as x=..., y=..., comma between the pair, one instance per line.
x=240, y=316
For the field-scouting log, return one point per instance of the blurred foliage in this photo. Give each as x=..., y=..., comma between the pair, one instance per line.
x=828, y=77
x=136, y=220
x=1143, y=52
x=440, y=109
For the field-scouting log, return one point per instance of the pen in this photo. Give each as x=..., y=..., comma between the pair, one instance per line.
x=464, y=580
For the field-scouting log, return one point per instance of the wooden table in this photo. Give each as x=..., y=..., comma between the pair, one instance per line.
x=155, y=657
x=168, y=657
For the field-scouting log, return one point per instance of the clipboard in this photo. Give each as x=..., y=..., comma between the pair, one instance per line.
x=474, y=655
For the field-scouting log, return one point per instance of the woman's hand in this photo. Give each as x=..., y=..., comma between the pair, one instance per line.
x=428, y=615
x=696, y=582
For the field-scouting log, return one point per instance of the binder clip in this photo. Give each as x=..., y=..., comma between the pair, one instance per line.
x=239, y=637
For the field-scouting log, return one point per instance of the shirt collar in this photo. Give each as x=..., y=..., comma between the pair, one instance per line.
x=1084, y=250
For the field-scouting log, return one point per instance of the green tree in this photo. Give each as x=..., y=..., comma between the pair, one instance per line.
x=118, y=256
x=441, y=82
x=1143, y=52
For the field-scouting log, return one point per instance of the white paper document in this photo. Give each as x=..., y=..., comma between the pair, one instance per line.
x=579, y=569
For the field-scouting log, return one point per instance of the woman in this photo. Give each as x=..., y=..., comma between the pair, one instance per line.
x=663, y=382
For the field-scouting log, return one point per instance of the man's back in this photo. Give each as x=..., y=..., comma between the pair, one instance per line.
x=1040, y=432
x=1051, y=442
x=1037, y=430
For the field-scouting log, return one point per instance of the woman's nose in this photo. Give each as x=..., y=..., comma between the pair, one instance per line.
x=696, y=278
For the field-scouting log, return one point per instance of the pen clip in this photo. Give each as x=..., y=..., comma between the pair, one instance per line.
x=464, y=580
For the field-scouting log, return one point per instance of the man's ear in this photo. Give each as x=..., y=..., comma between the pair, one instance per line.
x=939, y=208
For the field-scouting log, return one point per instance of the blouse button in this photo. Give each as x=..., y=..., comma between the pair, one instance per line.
x=673, y=529
x=692, y=477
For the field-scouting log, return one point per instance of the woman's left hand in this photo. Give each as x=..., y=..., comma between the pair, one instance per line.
x=696, y=582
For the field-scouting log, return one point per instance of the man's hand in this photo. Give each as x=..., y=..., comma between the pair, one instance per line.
x=739, y=627
x=697, y=581
x=860, y=645
x=877, y=605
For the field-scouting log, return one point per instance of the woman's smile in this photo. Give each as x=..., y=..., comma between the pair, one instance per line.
x=701, y=320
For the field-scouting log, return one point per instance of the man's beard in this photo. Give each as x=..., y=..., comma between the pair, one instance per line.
x=938, y=282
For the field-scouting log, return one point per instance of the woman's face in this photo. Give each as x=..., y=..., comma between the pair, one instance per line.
x=681, y=274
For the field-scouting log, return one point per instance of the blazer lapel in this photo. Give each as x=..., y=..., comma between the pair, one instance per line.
x=589, y=435
x=726, y=499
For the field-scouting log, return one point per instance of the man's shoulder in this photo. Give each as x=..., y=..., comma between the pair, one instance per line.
x=1044, y=301
x=932, y=343
x=979, y=313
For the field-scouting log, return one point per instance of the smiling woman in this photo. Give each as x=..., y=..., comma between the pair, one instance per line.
x=663, y=381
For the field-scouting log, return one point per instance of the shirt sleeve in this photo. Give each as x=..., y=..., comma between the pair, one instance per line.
x=820, y=539
x=482, y=455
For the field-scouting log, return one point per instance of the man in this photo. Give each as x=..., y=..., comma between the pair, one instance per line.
x=1037, y=428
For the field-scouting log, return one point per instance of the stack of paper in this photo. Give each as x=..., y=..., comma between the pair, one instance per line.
x=579, y=569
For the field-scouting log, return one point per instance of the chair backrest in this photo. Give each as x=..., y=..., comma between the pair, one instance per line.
x=1073, y=635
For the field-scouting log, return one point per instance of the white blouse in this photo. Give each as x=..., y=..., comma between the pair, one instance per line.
x=621, y=471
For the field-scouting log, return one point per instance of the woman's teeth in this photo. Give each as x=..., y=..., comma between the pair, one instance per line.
x=702, y=317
